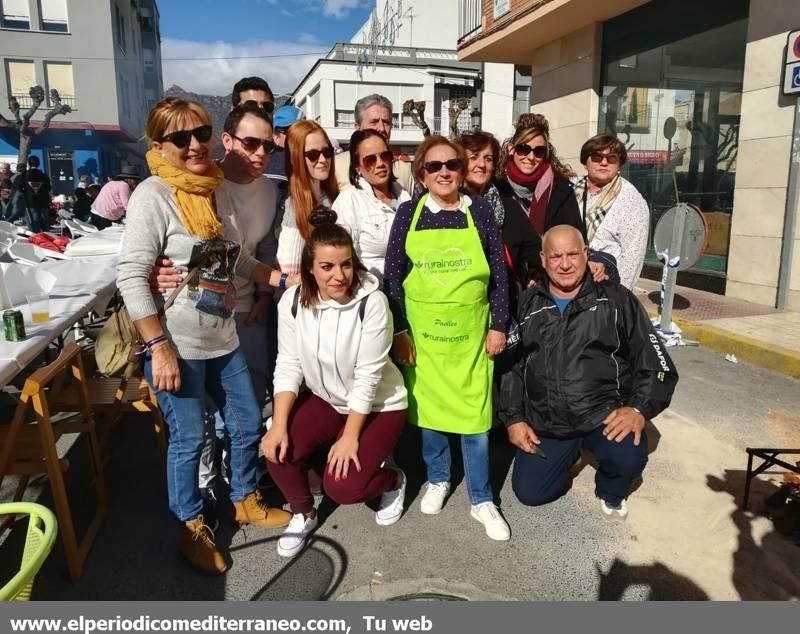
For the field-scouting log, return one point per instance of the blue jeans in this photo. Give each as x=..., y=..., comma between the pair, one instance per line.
x=475, y=452
x=538, y=480
x=254, y=344
x=38, y=219
x=227, y=381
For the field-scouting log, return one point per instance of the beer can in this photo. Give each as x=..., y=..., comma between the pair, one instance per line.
x=14, y=325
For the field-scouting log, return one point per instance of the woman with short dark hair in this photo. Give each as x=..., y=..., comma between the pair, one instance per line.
x=616, y=217
x=367, y=210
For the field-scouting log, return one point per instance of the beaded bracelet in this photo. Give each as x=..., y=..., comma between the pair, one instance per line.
x=154, y=342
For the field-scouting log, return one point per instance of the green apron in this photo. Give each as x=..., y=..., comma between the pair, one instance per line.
x=447, y=306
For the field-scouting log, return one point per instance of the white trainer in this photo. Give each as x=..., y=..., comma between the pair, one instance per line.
x=390, y=509
x=433, y=500
x=620, y=511
x=295, y=535
x=489, y=515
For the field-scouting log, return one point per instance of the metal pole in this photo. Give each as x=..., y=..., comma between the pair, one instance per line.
x=671, y=276
x=790, y=217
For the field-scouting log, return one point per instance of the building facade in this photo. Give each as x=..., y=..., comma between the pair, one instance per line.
x=407, y=50
x=103, y=56
x=694, y=89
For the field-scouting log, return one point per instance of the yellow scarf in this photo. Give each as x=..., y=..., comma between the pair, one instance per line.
x=192, y=193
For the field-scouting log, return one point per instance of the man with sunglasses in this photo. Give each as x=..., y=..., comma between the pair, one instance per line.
x=616, y=216
x=374, y=112
x=255, y=90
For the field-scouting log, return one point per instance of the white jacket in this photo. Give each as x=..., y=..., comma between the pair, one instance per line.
x=369, y=222
x=344, y=360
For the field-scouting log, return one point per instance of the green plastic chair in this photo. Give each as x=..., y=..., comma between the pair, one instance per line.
x=42, y=530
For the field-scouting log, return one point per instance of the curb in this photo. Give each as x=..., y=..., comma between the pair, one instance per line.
x=775, y=358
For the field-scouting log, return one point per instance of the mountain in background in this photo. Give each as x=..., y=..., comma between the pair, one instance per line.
x=218, y=108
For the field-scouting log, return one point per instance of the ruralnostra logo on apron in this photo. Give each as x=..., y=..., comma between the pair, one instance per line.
x=447, y=305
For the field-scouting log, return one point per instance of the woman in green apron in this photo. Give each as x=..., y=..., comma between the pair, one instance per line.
x=445, y=276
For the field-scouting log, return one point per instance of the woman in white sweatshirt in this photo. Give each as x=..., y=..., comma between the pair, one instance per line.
x=335, y=332
x=367, y=210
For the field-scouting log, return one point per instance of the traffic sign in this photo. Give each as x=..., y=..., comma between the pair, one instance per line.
x=791, y=82
x=793, y=48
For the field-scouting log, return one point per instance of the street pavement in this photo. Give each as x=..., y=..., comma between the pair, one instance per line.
x=684, y=538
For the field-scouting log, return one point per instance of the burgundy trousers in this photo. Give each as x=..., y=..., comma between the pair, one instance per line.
x=313, y=427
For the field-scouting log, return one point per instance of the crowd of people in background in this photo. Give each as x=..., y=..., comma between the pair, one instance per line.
x=301, y=310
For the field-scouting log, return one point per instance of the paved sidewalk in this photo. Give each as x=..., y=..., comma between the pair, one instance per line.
x=754, y=333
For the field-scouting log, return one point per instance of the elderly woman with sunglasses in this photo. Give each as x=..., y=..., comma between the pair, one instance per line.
x=448, y=289
x=368, y=210
x=312, y=184
x=192, y=348
x=616, y=216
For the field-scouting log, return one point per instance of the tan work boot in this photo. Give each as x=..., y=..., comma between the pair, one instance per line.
x=253, y=510
x=196, y=543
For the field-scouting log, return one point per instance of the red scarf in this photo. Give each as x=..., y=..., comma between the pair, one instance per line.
x=539, y=197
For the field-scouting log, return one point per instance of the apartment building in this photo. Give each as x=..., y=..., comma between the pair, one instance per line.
x=103, y=56
x=694, y=89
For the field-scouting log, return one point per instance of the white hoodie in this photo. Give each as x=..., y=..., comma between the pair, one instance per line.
x=344, y=360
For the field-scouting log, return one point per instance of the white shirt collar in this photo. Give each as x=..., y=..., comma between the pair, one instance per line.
x=398, y=193
x=463, y=204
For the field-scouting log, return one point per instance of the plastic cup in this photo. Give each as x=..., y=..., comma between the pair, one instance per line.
x=39, y=303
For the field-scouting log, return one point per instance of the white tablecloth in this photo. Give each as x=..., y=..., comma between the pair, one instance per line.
x=81, y=285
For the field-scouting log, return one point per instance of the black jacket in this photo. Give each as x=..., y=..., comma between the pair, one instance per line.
x=573, y=370
x=561, y=210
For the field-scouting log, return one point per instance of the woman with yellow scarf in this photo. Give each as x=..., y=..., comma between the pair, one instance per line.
x=192, y=348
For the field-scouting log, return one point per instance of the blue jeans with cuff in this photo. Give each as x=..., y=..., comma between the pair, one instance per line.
x=227, y=381
x=475, y=452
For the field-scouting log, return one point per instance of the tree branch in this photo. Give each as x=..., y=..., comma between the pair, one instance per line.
x=61, y=109
x=13, y=106
x=37, y=95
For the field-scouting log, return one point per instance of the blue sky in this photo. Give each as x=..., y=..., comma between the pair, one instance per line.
x=231, y=30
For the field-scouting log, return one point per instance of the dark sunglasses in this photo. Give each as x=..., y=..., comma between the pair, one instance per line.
x=453, y=165
x=369, y=162
x=523, y=149
x=266, y=106
x=182, y=138
x=251, y=143
x=313, y=155
x=612, y=159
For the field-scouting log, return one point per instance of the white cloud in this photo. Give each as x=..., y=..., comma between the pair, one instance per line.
x=308, y=38
x=217, y=76
x=340, y=8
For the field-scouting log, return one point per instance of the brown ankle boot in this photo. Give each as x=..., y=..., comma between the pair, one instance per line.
x=196, y=543
x=253, y=510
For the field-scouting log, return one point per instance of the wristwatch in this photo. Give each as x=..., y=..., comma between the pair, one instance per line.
x=282, y=282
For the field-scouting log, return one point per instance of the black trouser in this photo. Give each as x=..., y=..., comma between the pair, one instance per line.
x=100, y=222
x=538, y=480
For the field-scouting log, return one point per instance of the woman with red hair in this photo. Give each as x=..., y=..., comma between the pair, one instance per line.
x=312, y=184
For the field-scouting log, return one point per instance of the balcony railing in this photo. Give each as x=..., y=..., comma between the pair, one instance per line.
x=26, y=101
x=469, y=17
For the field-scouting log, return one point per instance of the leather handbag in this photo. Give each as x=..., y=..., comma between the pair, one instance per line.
x=118, y=349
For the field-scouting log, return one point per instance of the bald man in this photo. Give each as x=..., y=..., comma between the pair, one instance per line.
x=591, y=371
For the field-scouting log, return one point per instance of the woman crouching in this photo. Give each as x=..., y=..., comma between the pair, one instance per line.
x=334, y=333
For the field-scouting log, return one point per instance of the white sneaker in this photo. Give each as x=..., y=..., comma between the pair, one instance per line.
x=489, y=515
x=620, y=511
x=433, y=500
x=390, y=509
x=294, y=537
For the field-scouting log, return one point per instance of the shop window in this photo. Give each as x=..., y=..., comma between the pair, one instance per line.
x=679, y=65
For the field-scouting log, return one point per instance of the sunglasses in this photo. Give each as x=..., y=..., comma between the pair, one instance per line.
x=369, y=162
x=612, y=159
x=313, y=155
x=251, y=143
x=182, y=138
x=523, y=149
x=266, y=106
x=453, y=165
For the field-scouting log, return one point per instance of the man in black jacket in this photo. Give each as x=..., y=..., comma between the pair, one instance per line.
x=591, y=372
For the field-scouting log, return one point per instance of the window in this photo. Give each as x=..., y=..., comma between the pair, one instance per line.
x=345, y=119
x=680, y=63
x=146, y=19
x=150, y=96
x=15, y=14
x=120, y=21
x=149, y=60
x=54, y=15
x=522, y=91
x=59, y=77
x=21, y=78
